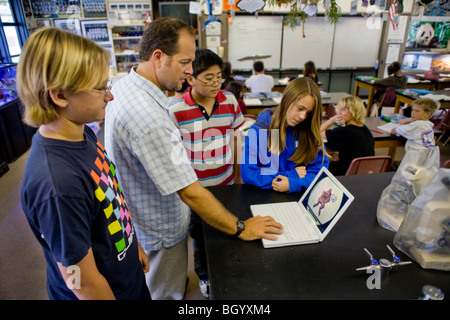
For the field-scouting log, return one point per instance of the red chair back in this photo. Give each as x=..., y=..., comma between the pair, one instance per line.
x=369, y=165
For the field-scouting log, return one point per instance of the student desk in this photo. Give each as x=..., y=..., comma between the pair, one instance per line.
x=256, y=103
x=246, y=270
x=280, y=85
x=329, y=98
x=383, y=139
x=372, y=88
x=404, y=96
x=333, y=97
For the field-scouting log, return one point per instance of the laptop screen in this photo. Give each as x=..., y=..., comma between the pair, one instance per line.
x=325, y=200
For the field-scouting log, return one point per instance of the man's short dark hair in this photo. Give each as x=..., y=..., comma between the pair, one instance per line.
x=204, y=59
x=162, y=33
x=258, y=66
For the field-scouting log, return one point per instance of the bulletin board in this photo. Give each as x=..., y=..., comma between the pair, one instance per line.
x=316, y=46
x=356, y=43
x=255, y=35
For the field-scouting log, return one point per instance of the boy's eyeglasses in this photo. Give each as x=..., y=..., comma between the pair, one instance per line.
x=211, y=83
x=106, y=89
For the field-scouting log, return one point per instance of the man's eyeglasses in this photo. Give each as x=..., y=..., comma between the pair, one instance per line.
x=211, y=83
x=106, y=89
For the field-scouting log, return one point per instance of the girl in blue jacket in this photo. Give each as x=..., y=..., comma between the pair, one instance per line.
x=284, y=149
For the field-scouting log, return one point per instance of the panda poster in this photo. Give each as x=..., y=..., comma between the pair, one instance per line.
x=428, y=34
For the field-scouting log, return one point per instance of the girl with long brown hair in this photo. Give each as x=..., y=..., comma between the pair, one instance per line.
x=284, y=149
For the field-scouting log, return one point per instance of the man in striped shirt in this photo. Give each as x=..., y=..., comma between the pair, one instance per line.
x=208, y=119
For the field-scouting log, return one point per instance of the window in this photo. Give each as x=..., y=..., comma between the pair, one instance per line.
x=13, y=32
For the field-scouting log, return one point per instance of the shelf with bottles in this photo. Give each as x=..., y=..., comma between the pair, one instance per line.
x=126, y=41
x=121, y=32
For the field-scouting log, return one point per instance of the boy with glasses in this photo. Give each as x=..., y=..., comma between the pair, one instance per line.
x=208, y=118
x=70, y=193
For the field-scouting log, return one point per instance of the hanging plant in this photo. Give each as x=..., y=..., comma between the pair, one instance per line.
x=333, y=12
x=293, y=16
x=296, y=12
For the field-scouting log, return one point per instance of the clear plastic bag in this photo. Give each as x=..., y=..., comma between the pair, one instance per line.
x=424, y=234
x=416, y=170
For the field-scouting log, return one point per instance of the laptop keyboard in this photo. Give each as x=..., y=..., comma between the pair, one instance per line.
x=296, y=227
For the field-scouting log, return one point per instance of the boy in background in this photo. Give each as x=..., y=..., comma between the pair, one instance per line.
x=208, y=118
x=259, y=81
x=418, y=129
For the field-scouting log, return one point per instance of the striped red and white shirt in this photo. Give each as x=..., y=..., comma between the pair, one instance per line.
x=208, y=140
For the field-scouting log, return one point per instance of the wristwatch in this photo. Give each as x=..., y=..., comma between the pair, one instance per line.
x=240, y=227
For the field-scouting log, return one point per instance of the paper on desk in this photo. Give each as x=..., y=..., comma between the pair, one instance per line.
x=325, y=95
x=436, y=97
x=388, y=126
x=252, y=102
x=283, y=81
x=413, y=80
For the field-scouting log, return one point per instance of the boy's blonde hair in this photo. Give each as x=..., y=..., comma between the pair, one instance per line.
x=355, y=106
x=56, y=59
x=428, y=105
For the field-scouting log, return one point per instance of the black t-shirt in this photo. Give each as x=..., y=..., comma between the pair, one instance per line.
x=351, y=142
x=73, y=202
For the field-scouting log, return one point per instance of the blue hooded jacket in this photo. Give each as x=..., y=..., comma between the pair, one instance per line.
x=260, y=168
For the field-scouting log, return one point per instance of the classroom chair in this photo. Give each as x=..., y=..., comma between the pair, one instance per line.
x=444, y=126
x=369, y=165
x=330, y=111
x=446, y=164
x=388, y=100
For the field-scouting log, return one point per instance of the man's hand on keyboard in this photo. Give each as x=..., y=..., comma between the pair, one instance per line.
x=261, y=227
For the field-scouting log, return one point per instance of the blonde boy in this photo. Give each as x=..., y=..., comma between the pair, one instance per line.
x=418, y=130
x=70, y=193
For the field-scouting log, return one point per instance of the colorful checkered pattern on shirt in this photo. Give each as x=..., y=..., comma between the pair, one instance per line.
x=209, y=140
x=108, y=192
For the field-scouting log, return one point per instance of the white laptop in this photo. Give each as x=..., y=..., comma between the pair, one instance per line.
x=312, y=218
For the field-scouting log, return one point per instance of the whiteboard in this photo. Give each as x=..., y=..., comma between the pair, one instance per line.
x=316, y=46
x=356, y=43
x=255, y=35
